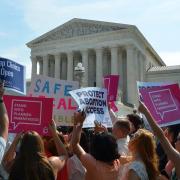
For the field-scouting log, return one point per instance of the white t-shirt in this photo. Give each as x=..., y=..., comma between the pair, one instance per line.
x=139, y=169
x=123, y=146
x=76, y=170
x=2, y=148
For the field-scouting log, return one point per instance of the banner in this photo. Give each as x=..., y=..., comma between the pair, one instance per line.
x=111, y=84
x=13, y=74
x=29, y=113
x=93, y=101
x=64, y=105
x=163, y=103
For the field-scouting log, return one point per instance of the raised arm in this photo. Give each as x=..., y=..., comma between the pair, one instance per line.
x=61, y=150
x=10, y=155
x=4, y=120
x=58, y=162
x=79, y=118
x=4, y=123
x=172, y=154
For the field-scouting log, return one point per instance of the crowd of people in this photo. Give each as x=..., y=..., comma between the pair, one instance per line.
x=127, y=151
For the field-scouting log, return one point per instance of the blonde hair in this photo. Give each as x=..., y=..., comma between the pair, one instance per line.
x=144, y=144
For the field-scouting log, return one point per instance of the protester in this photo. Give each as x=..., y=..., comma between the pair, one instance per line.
x=51, y=150
x=76, y=171
x=120, y=131
x=171, y=152
x=103, y=162
x=144, y=163
x=4, y=123
x=31, y=162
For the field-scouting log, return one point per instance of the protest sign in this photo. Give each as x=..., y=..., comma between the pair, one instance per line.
x=163, y=103
x=29, y=113
x=111, y=84
x=93, y=101
x=146, y=85
x=64, y=105
x=13, y=74
x=113, y=106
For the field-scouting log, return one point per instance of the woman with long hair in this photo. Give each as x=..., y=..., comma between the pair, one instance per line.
x=144, y=161
x=30, y=163
x=172, y=153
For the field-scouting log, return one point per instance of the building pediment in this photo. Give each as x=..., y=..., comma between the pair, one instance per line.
x=78, y=27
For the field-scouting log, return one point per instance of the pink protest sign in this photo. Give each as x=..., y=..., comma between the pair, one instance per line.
x=111, y=84
x=163, y=103
x=29, y=113
x=113, y=106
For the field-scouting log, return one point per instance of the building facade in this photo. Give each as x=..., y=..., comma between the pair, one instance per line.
x=102, y=47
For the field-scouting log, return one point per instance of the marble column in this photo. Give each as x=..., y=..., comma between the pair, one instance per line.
x=99, y=67
x=57, y=58
x=34, y=66
x=114, y=60
x=85, y=65
x=40, y=67
x=45, y=65
x=70, y=66
x=132, y=96
x=143, y=66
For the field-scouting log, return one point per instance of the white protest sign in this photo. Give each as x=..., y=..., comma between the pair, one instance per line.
x=93, y=101
x=64, y=105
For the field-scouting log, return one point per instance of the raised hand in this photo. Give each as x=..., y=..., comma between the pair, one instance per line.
x=79, y=117
x=52, y=126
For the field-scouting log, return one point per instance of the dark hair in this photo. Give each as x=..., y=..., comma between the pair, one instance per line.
x=174, y=130
x=84, y=141
x=124, y=125
x=104, y=147
x=135, y=120
x=30, y=163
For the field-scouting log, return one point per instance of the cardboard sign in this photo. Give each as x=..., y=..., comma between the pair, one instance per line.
x=29, y=113
x=13, y=74
x=163, y=103
x=111, y=84
x=93, y=101
x=64, y=105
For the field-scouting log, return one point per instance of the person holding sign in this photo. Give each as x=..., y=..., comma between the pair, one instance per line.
x=171, y=152
x=4, y=123
x=103, y=162
x=31, y=162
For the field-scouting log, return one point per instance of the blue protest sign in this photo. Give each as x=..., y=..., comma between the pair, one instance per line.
x=13, y=74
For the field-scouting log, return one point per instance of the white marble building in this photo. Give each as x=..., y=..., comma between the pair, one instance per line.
x=103, y=48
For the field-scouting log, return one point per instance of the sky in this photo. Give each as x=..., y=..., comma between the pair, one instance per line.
x=23, y=20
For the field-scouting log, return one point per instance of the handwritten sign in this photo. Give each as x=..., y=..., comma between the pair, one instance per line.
x=164, y=103
x=64, y=105
x=93, y=101
x=13, y=74
x=29, y=113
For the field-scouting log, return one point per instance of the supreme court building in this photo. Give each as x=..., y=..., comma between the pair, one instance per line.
x=103, y=48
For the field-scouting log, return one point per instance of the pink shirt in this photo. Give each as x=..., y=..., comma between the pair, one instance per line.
x=99, y=170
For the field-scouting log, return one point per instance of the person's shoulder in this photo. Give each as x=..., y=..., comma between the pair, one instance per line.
x=2, y=140
x=2, y=144
x=139, y=169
